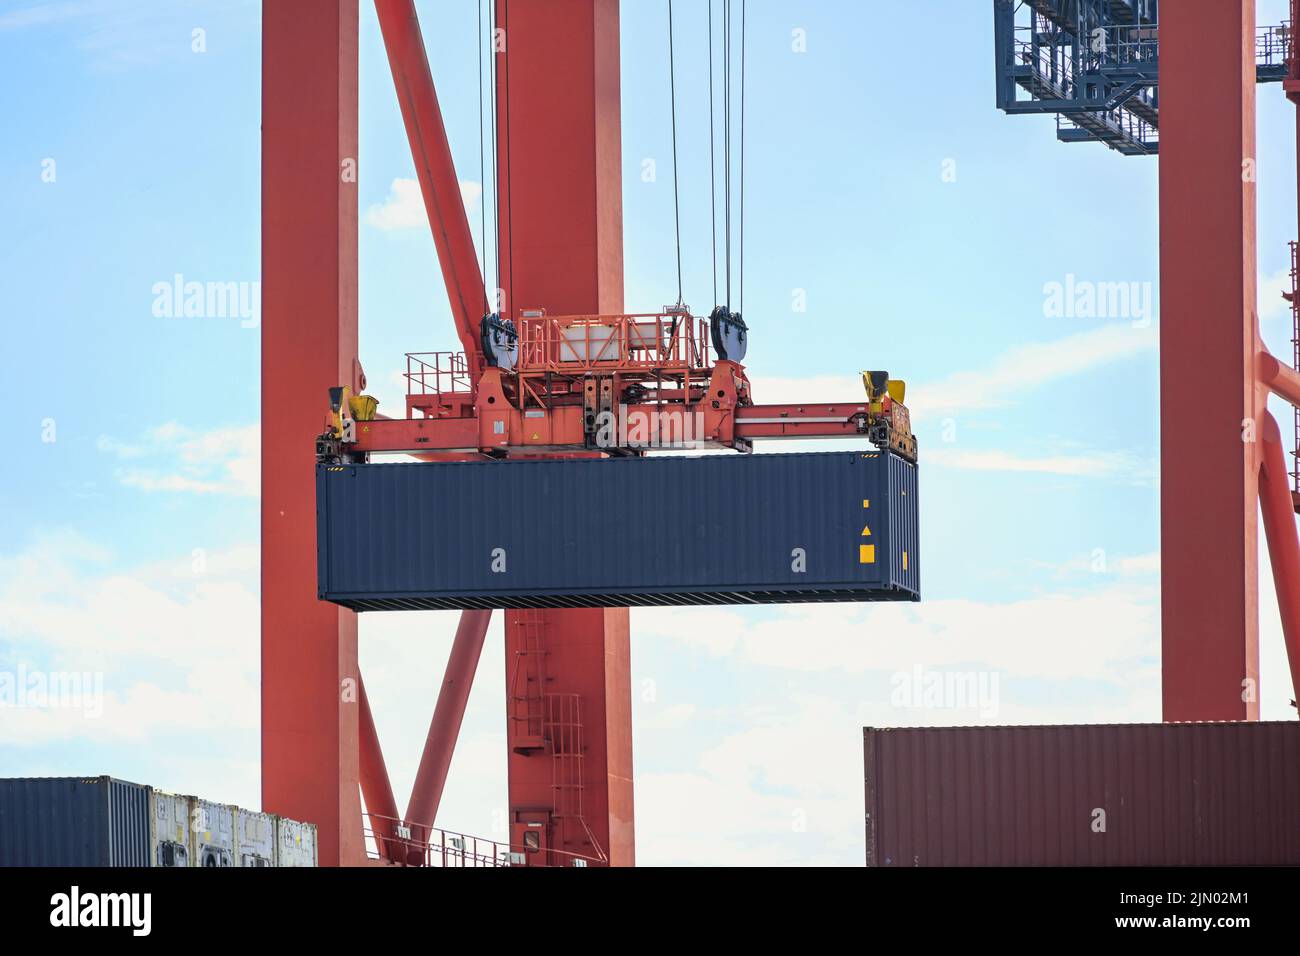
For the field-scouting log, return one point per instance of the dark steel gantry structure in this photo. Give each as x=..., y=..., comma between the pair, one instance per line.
x=1096, y=65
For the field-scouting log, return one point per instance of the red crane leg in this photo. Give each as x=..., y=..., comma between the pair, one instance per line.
x=309, y=343
x=1209, y=474
x=1283, y=542
x=561, y=238
x=376, y=789
x=439, y=746
x=436, y=172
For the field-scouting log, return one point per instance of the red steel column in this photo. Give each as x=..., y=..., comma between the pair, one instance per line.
x=1208, y=401
x=561, y=238
x=309, y=343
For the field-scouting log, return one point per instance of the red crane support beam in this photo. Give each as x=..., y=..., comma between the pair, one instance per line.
x=310, y=719
x=431, y=777
x=437, y=174
x=376, y=789
x=1283, y=542
x=1208, y=395
x=1281, y=379
x=561, y=249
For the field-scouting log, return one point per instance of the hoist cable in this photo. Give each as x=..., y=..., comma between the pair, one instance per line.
x=713, y=165
x=726, y=139
x=510, y=195
x=482, y=167
x=672, y=91
x=742, y=155
x=497, y=304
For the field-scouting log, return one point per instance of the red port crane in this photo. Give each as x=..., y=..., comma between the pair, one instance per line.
x=562, y=244
x=555, y=368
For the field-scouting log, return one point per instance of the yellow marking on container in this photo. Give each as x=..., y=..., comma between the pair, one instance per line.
x=866, y=554
x=904, y=560
x=866, y=531
x=866, y=502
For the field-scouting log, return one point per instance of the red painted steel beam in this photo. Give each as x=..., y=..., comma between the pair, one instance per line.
x=561, y=248
x=1208, y=474
x=417, y=435
x=310, y=720
x=376, y=788
x=1281, y=379
x=431, y=777
x=1283, y=541
x=436, y=172
x=453, y=439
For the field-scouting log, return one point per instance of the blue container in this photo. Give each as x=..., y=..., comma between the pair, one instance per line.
x=718, y=529
x=73, y=821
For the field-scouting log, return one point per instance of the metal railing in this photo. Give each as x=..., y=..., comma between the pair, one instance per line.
x=436, y=373
x=1273, y=46
x=584, y=343
x=389, y=839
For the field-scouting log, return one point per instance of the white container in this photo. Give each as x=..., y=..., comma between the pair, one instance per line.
x=254, y=838
x=212, y=834
x=169, y=829
x=295, y=843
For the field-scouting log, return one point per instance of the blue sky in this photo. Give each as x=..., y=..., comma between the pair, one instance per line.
x=132, y=535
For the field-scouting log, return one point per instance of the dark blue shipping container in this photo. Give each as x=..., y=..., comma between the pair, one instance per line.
x=73, y=821
x=718, y=529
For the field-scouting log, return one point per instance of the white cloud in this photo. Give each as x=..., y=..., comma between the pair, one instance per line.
x=1088, y=465
x=1098, y=562
x=404, y=207
x=1030, y=366
x=1097, y=635
x=1269, y=295
x=1140, y=563
x=997, y=385
x=178, y=459
x=778, y=390
x=177, y=651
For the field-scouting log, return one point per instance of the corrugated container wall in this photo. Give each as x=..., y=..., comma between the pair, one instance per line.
x=1111, y=794
x=296, y=843
x=720, y=529
x=73, y=821
x=254, y=838
x=169, y=834
x=212, y=837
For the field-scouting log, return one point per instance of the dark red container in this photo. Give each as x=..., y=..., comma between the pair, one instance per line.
x=1088, y=795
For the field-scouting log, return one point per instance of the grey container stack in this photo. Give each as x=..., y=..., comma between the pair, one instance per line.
x=718, y=529
x=73, y=821
x=100, y=821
